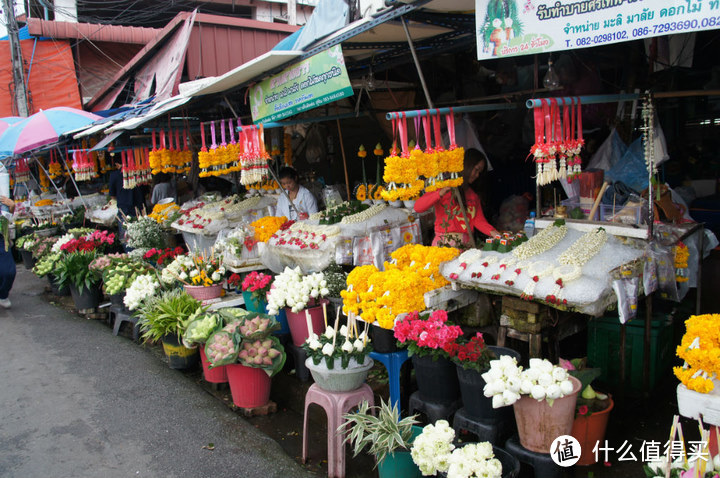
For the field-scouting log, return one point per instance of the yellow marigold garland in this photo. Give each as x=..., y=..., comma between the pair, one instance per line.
x=700, y=349
x=266, y=226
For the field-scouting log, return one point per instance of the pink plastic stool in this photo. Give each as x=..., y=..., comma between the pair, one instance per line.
x=336, y=404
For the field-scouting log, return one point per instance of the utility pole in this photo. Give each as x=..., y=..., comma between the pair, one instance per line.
x=292, y=12
x=18, y=68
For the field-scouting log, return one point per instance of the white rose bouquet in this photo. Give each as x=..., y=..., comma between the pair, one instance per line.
x=506, y=381
x=292, y=289
x=433, y=451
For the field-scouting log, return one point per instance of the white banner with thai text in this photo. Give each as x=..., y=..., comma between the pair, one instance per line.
x=521, y=27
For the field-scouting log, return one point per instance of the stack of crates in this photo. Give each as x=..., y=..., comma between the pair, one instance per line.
x=604, y=350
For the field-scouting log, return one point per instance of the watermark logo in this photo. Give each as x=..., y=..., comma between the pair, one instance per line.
x=565, y=450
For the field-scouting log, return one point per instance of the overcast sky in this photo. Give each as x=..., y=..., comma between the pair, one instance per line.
x=19, y=10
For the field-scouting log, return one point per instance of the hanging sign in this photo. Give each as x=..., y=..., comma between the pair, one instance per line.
x=313, y=82
x=521, y=27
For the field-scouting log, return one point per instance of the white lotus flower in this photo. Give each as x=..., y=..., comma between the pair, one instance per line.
x=359, y=345
x=328, y=349
x=545, y=379
x=553, y=392
x=347, y=346
x=559, y=374
x=526, y=386
x=497, y=401
x=329, y=332
x=566, y=387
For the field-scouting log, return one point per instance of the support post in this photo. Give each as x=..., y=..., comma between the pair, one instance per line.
x=417, y=62
x=18, y=70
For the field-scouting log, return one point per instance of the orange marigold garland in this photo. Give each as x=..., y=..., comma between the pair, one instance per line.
x=700, y=349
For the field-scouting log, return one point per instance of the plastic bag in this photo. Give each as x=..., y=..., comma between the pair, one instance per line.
x=256, y=326
x=665, y=261
x=626, y=291
x=631, y=169
x=331, y=196
x=200, y=329
x=252, y=354
x=221, y=348
x=650, y=279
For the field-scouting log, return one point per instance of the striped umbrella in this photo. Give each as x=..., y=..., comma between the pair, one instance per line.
x=43, y=128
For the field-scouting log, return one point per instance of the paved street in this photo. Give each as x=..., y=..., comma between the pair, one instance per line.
x=76, y=401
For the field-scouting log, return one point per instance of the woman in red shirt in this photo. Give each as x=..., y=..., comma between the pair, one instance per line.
x=450, y=228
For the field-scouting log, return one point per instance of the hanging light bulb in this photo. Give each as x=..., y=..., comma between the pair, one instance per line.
x=370, y=81
x=551, y=80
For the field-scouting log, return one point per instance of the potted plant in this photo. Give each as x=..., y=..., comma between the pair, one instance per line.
x=543, y=398
x=339, y=359
x=255, y=287
x=298, y=293
x=428, y=339
x=73, y=271
x=163, y=317
x=472, y=358
x=385, y=436
x=24, y=244
x=251, y=356
x=200, y=274
x=143, y=287
x=162, y=257
x=143, y=233
x=433, y=452
x=46, y=267
x=592, y=409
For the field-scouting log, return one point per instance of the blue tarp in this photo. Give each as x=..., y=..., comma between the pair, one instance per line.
x=24, y=34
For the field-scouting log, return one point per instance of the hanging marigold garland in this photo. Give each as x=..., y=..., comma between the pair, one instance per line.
x=223, y=158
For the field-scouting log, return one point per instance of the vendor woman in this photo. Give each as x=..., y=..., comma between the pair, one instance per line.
x=303, y=201
x=452, y=231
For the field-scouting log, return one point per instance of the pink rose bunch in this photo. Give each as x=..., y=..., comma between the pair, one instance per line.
x=258, y=284
x=429, y=335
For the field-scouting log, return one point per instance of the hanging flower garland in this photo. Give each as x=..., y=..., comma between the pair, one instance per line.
x=648, y=138
x=55, y=169
x=254, y=159
x=401, y=173
x=682, y=255
x=556, y=151
x=541, y=242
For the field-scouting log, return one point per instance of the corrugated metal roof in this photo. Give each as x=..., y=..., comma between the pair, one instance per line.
x=91, y=31
x=222, y=54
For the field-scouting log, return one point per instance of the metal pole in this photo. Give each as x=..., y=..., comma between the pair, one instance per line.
x=417, y=63
x=342, y=150
x=318, y=119
x=21, y=97
x=586, y=100
x=646, y=344
x=459, y=109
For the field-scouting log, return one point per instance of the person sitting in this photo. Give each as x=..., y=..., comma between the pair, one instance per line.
x=303, y=202
x=163, y=188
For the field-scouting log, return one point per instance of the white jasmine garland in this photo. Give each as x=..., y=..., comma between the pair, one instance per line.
x=541, y=242
x=364, y=215
x=584, y=249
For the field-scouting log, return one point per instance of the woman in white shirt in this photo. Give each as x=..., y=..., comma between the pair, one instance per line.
x=302, y=199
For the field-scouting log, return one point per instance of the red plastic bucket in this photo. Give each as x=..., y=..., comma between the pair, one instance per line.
x=212, y=375
x=298, y=323
x=250, y=387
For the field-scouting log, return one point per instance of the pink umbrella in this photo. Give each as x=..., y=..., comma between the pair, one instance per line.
x=43, y=128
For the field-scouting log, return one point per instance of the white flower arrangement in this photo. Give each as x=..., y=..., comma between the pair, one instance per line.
x=291, y=289
x=141, y=288
x=364, y=215
x=176, y=269
x=506, y=381
x=433, y=451
x=541, y=242
x=474, y=459
x=432, y=448
x=64, y=239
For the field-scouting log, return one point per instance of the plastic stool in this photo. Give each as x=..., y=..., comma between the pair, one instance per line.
x=434, y=411
x=492, y=430
x=299, y=356
x=335, y=404
x=120, y=315
x=393, y=362
x=542, y=463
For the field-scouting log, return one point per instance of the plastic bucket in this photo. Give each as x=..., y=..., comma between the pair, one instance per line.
x=539, y=423
x=476, y=404
x=437, y=379
x=250, y=387
x=212, y=375
x=298, y=323
x=383, y=340
x=85, y=298
x=400, y=464
x=252, y=305
x=589, y=430
x=179, y=356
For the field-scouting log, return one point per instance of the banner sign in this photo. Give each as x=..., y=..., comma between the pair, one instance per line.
x=521, y=27
x=313, y=82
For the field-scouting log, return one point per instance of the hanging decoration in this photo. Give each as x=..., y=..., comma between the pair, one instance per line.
x=22, y=171
x=83, y=166
x=55, y=169
x=254, y=159
x=682, y=255
x=136, y=167
x=648, y=129
x=401, y=171
x=222, y=158
x=556, y=151
x=44, y=179
x=177, y=158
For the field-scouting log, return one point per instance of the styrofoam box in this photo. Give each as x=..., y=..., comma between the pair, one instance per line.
x=692, y=404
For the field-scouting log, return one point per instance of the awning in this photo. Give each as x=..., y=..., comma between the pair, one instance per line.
x=106, y=140
x=158, y=109
x=251, y=70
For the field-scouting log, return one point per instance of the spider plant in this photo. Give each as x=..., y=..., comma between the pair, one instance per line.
x=381, y=433
x=166, y=314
